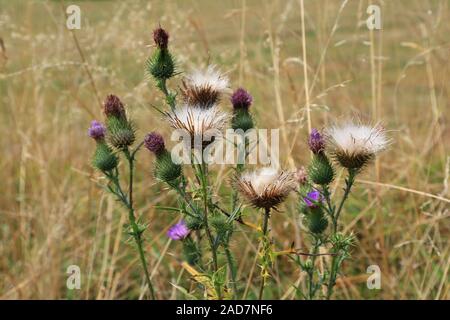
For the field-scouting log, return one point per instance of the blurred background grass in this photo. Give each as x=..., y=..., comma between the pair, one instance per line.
x=53, y=213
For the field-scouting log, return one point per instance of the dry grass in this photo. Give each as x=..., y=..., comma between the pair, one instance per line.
x=53, y=214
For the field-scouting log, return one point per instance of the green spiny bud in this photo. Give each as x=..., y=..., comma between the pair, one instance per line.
x=315, y=220
x=165, y=169
x=161, y=64
x=320, y=170
x=242, y=119
x=121, y=133
x=220, y=223
x=104, y=159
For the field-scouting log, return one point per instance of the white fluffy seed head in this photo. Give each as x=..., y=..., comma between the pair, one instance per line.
x=210, y=77
x=266, y=187
x=204, y=87
x=354, y=145
x=199, y=123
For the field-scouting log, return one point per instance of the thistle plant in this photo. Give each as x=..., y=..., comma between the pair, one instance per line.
x=206, y=221
x=352, y=147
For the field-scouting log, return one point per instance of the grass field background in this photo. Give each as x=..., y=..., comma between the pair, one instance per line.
x=53, y=213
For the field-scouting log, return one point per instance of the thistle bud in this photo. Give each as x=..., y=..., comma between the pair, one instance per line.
x=161, y=65
x=316, y=220
x=154, y=142
x=113, y=107
x=161, y=38
x=316, y=142
x=104, y=159
x=165, y=169
x=121, y=133
x=241, y=99
x=320, y=170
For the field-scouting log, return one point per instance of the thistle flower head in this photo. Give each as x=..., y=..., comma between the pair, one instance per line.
x=113, y=107
x=266, y=187
x=161, y=38
x=316, y=142
x=202, y=125
x=355, y=145
x=97, y=131
x=241, y=99
x=178, y=231
x=313, y=198
x=154, y=142
x=204, y=87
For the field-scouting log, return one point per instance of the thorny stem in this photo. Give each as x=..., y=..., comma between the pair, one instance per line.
x=137, y=234
x=348, y=185
x=264, y=230
x=232, y=270
x=312, y=289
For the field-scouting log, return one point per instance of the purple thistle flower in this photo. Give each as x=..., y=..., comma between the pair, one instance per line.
x=316, y=142
x=154, y=142
x=241, y=99
x=178, y=231
x=161, y=38
x=312, y=198
x=97, y=130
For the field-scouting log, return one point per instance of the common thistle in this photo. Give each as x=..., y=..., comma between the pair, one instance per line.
x=161, y=65
x=178, y=231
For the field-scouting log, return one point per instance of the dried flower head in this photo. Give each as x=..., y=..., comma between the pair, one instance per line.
x=154, y=142
x=313, y=198
x=202, y=125
x=266, y=187
x=316, y=142
x=355, y=145
x=161, y=38
x=178, y=231
x=204, y=87
x=113, y=107
x=97, y=131
x=241, y=99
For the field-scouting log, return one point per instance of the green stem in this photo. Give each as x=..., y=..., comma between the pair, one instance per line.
x=312, y=289
x=264, y=230
x=232, y=267
x=333, y=273
x=136, y=232
x=348, y=185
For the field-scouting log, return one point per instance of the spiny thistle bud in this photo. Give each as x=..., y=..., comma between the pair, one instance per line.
x=161, y=38
x=113, y=107
x=316, y=142
x=161, y=64
x=241, y=99
x=178, y=231
x=104, y=159
x=97, y=131
x=121, y=133
x=154, y=142
x=316, y=220
x=320, y=170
